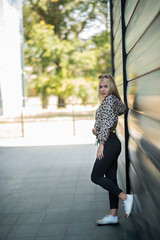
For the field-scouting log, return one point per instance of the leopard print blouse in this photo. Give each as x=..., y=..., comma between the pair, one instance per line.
x=106, y=118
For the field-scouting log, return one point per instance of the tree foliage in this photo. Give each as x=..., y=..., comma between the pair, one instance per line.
x=63, y=62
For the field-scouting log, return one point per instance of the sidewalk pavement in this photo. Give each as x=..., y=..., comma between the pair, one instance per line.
x=46, y=194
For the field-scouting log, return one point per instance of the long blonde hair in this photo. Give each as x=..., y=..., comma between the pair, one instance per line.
x=110, y=81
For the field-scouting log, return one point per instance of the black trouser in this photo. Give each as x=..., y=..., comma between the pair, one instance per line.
x=105, y=170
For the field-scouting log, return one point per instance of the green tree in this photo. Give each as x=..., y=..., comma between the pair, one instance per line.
x=60, y=59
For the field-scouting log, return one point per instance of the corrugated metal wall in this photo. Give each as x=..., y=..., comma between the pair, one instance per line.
x=141, y=59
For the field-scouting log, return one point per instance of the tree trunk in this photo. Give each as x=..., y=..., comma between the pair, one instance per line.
x=44, y=97
x=61, y=102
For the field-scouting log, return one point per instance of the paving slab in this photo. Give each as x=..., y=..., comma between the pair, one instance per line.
x=46, y=193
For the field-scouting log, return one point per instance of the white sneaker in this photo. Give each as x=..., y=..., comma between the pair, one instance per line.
x=107, y=220
x=128, y=205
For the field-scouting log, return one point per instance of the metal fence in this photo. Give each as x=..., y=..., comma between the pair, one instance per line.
x=34, y=120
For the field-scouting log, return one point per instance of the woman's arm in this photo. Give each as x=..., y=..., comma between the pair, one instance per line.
x=94, y=131
x=108, y=118
x=122, y=108
x=100, y=151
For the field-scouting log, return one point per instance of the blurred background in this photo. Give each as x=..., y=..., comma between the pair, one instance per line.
x=51, y=55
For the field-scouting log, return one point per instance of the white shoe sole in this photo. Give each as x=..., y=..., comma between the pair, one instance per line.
x=109, y=223
x=127, y=215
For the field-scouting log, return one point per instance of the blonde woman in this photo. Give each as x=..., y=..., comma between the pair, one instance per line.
x=105, y=167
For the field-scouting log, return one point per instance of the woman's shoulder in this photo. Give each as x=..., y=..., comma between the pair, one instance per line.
x=111, y=98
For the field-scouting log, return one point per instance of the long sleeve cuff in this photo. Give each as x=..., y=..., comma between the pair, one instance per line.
x=104, y=135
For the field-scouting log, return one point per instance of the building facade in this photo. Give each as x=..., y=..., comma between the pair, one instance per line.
x=135, y=36
x=11, y=57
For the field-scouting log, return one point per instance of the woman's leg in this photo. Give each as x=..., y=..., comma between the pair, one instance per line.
x=112, y=175
x=114, y=212
x=108, y=166
x=97, y=177
x=112, y=149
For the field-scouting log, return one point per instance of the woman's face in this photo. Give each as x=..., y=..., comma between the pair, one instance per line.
x=104, y=89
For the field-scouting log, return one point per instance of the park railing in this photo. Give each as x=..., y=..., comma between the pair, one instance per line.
x=33, y=119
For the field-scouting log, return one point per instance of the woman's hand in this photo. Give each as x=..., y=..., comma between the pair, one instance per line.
x=94, y=131
x=100, y=151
